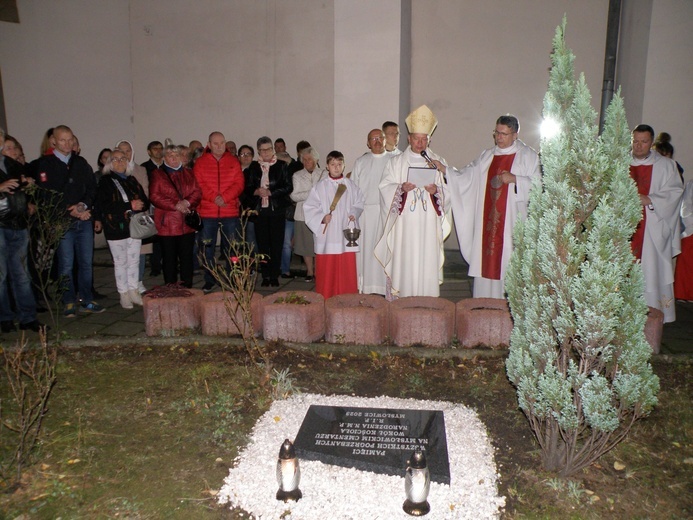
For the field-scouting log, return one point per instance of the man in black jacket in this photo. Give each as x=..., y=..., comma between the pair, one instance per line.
x=14, y=245
x=71, y=176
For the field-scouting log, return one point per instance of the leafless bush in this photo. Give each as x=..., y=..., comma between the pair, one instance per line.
x=30, y=374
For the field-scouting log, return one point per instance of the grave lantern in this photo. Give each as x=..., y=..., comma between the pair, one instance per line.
x=288, y=473
x=417, y=483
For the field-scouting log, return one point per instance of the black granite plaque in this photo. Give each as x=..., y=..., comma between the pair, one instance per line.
x=374, y=439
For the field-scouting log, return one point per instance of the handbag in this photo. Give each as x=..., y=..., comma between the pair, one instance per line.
x=142, y=225
x=192, y=219
x=290, y=212
x=13, y=206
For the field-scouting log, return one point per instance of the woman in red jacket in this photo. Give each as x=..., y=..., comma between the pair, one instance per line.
x=174, y=192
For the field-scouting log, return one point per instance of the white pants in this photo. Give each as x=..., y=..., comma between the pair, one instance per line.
x=126, y=262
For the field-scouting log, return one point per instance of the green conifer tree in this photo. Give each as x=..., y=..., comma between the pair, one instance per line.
x=578, y=354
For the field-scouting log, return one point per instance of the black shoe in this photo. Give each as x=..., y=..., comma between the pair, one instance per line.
x=288, y=276
x=7, y=326
x=33, y=325
x=208, y=287
x=265, y=282
x=310, y=279
x=274, y=282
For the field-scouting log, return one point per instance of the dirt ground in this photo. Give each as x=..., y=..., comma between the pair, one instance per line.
x=149, y=432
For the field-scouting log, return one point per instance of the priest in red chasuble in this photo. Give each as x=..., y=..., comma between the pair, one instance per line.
x=657, y=239
x=488, y=196
x=415, y=210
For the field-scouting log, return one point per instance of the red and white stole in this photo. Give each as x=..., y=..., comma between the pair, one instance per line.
x=642, y=175
x=494, y=217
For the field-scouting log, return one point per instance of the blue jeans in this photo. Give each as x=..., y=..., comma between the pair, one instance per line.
x=77, y=245
x=207, y=239
x=287, y=250
x=250, y=237
x=14, y=245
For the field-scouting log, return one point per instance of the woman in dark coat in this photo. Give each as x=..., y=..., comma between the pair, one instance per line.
x=174, y=192
x=118, y=196
x=267, y=189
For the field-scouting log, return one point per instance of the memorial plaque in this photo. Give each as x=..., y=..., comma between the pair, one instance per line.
x=374, y=439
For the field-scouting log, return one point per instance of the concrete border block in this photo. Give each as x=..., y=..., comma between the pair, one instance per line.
x=215, y=319
x=654, y=327
x=362, y=319
x=291, y=321
x=425, y=320
x=484, y=321
x=167, y=316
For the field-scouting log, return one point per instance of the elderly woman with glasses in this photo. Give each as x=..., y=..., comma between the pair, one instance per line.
x=267, y=189
x=174, y=192
x=118, y=197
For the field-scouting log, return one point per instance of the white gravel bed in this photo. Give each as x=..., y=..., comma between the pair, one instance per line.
x=332, y=492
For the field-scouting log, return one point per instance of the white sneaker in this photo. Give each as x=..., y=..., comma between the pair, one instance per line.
x=135, y=297
x=141, y=288
x=125, y=301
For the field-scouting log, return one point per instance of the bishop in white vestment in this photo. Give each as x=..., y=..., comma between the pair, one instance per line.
x=415, y=215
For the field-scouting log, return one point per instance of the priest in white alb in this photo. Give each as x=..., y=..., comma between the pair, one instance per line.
x=415, y=211
x=488, y=197
x=657, y=239
x=367, y=173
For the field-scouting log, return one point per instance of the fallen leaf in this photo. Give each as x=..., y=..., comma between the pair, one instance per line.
x=45, y=467
x=73, y=461
x=589, y=492
x=689, y=460
x=678, y=445
x=619, y=466
x=277, y=418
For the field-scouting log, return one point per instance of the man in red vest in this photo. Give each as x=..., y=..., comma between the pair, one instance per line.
x=657, y=239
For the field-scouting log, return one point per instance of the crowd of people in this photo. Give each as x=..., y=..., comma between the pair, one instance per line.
x=401, y=201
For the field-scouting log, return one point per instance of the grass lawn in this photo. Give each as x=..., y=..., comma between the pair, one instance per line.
x=149, y=433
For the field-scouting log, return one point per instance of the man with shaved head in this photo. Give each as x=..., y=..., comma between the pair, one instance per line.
x=67, y=173
x=220, y=177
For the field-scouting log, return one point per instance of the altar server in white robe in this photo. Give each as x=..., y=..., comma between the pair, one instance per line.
x=335, y=261
x=415, y=215
x=657, y=239
x=367, y=173
x=489, y=195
